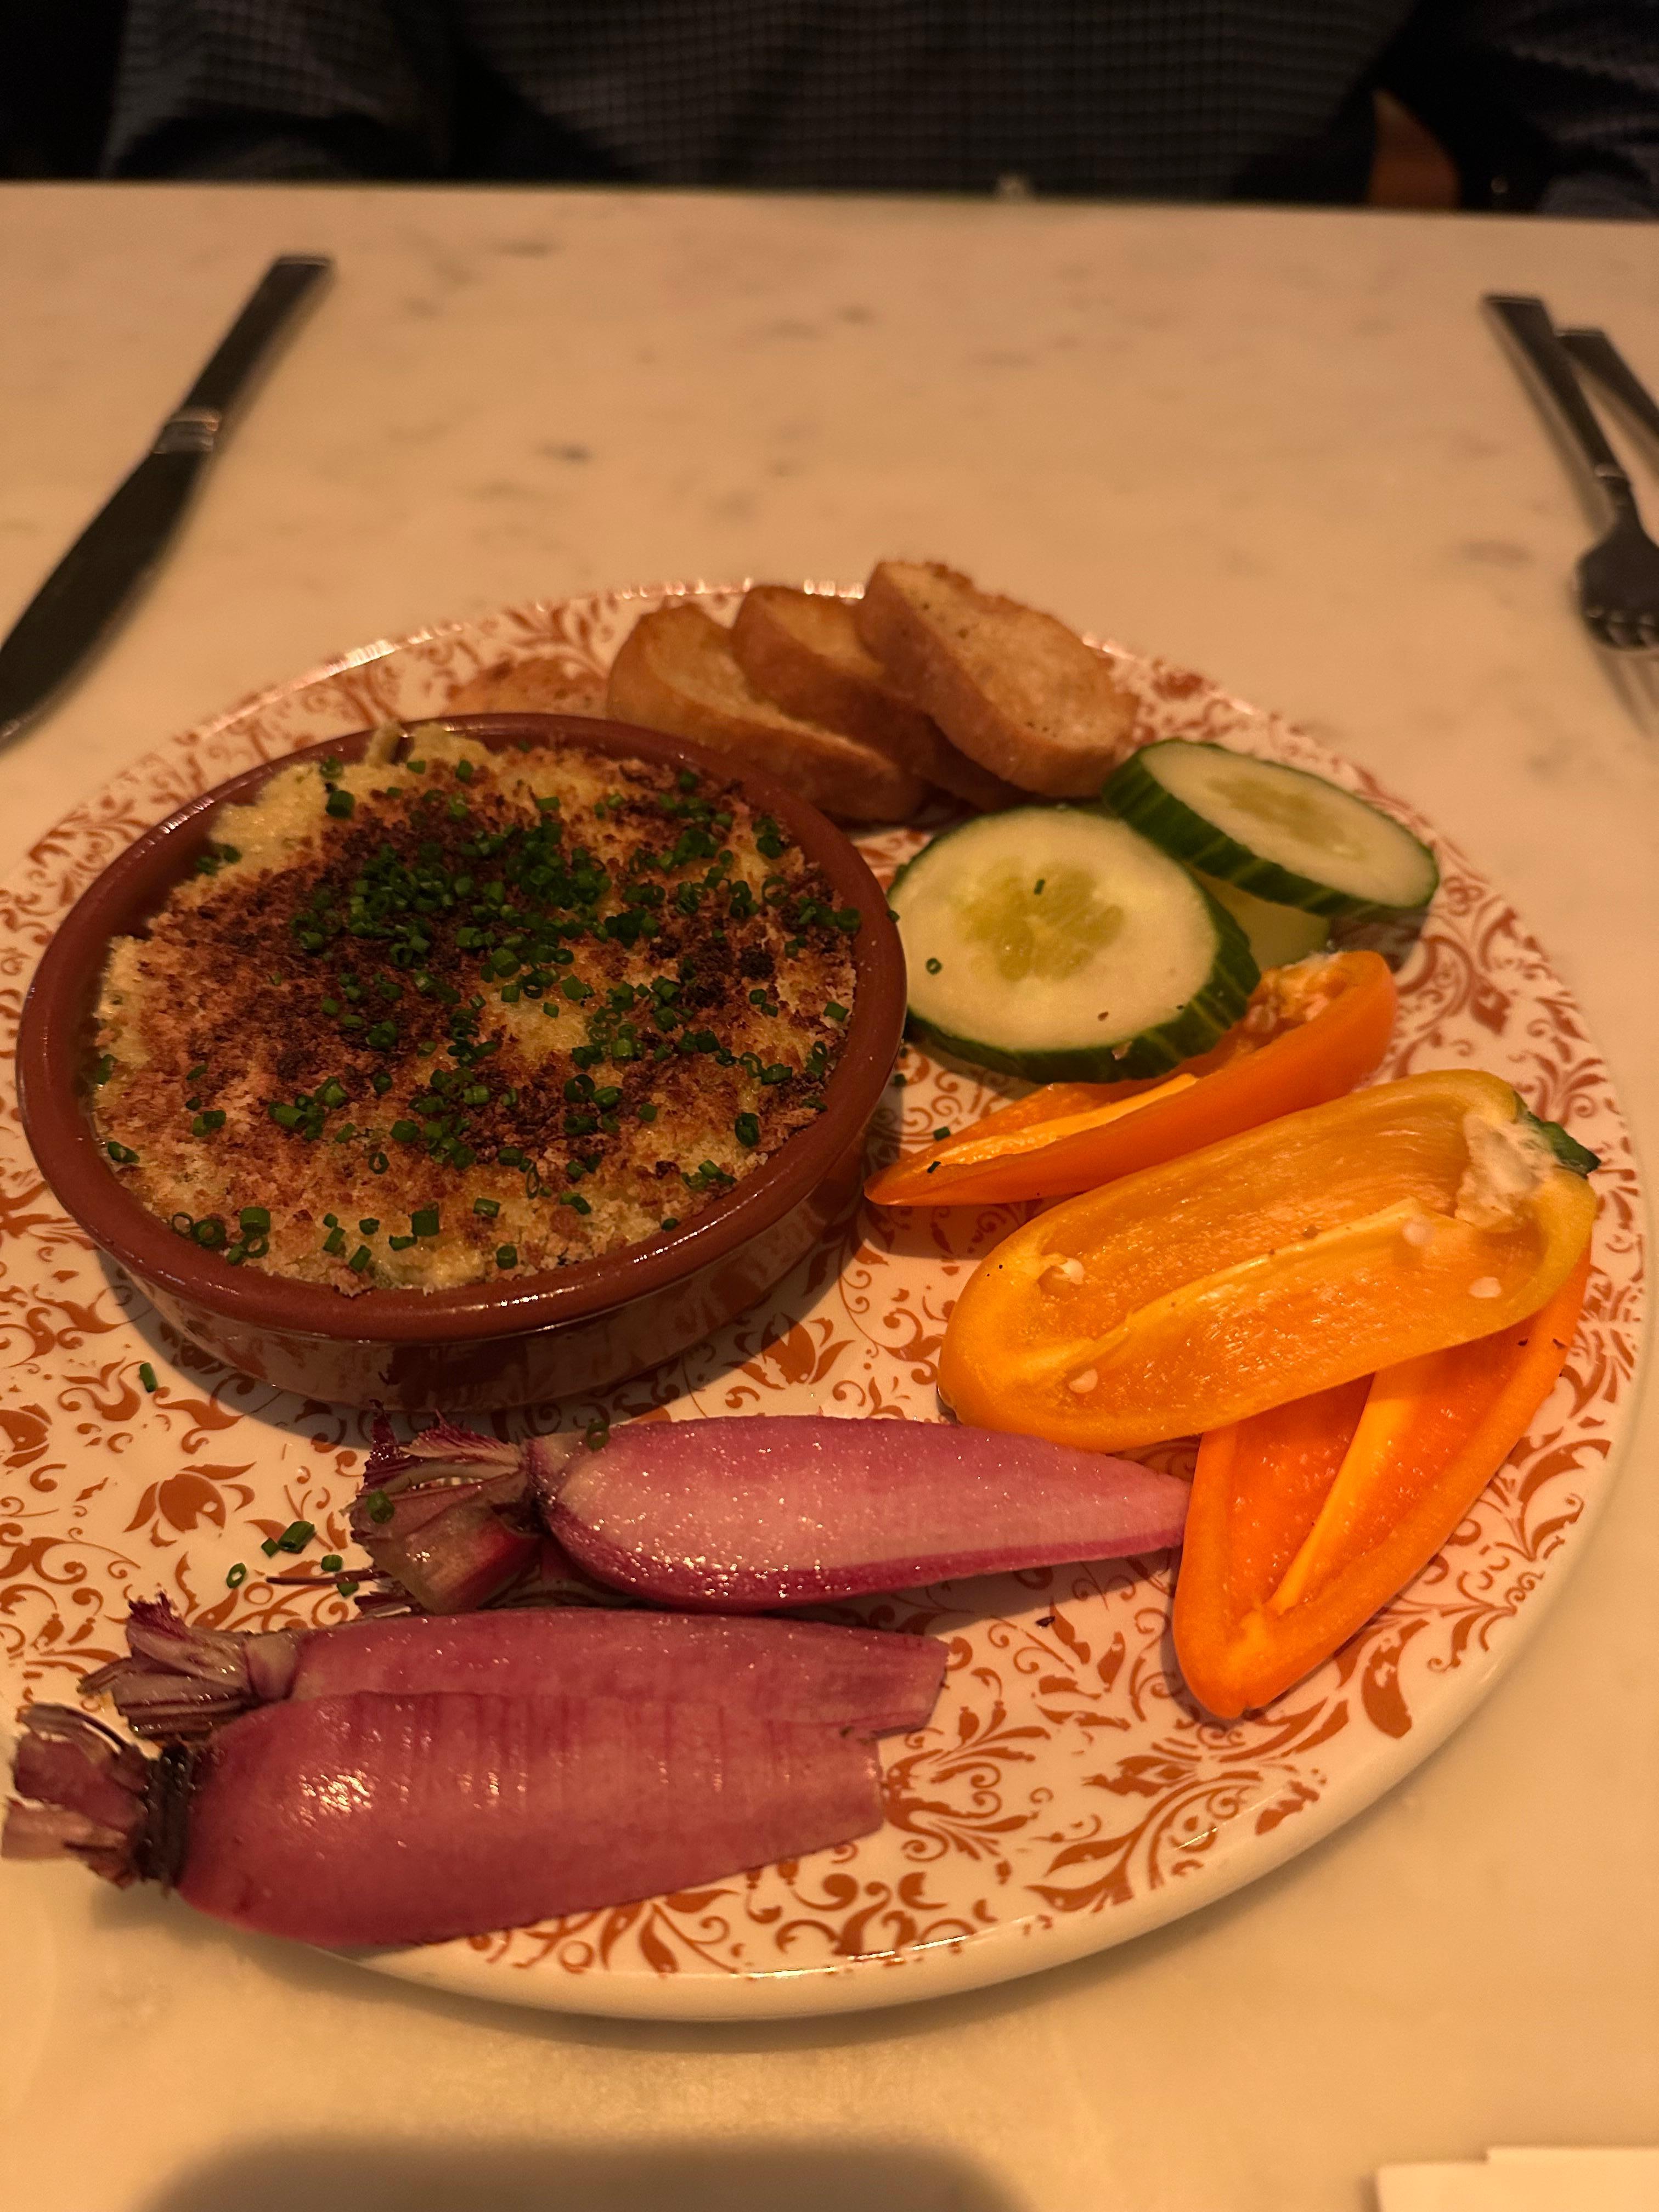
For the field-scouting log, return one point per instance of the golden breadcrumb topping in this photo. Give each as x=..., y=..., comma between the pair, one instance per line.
x=451, y=1014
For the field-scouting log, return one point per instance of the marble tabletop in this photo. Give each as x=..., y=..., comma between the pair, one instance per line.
x=1279, y=446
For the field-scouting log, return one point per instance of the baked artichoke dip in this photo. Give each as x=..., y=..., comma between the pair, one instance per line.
x=448, y=1013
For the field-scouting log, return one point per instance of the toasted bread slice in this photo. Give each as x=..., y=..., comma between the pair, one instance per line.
x=677, y=671
x=539, y=686
x=802, y=649
x=1014, y=689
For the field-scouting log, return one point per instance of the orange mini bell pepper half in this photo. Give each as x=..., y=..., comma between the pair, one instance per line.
x=1319, y=1247
x=1307, y=1520
x=1312, y=1031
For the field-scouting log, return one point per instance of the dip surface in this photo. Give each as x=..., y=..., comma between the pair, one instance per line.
x=425, y=1021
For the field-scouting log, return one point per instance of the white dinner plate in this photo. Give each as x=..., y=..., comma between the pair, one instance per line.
x=1068, y=1795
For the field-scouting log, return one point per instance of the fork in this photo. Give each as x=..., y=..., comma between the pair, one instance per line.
x=1618, y=577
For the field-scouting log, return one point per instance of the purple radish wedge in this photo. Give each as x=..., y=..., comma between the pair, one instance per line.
x=181, y=1680
x=740, y=1515
x=377, y=1820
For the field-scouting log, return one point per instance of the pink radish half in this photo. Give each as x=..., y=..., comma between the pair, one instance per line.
x=738, y=1516
x=409, y=1820
x=182, y=1680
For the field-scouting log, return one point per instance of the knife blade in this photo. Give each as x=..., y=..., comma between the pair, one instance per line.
x=77, y=605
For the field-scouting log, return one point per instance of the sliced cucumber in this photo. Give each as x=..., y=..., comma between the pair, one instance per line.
x=1279, y=833
x=1056, y=942
x=1278, y=934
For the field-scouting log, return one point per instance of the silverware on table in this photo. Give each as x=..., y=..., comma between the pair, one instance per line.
x=1594, y=350
x=1618, y=577
x=80, y=600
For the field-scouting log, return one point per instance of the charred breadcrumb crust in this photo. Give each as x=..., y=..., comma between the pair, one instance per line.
x=350, y=1028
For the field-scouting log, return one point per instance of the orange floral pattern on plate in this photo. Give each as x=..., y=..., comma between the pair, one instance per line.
x=1067, y=1794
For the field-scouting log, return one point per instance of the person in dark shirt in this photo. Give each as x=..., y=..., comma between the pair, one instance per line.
x=1552, y=104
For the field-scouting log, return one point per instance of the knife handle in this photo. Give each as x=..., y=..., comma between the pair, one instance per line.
x=194, y=425
x=1528, y=322
x=1594, y=350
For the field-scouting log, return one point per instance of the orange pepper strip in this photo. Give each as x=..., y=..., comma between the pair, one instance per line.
x=1312, y=1032
x=1306, y=1520
x=1293, y=1257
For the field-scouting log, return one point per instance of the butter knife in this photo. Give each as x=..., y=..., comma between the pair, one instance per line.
x=79, y=602
x=1594, y=350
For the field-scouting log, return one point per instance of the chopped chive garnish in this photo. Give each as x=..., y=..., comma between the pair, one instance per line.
x=209, y=1231
x=347, y=1587
x=341, y=804
x=296, y=1536
x=377, y=1163
x=269, y=1547
x=400, y=1244
x=934, y=966
x=596, y=1434
x=507, y=1255
x=486, y=1208
x=237, y=1576
x=254, y=1217
x=670, y=1221
x=205, y=1125
x=360, y=1259
x=425, y=1223
x=369, y=1225
x=147, y=1375
x=747, y=1130
x=123, y=1155
x=378, y=1506
x=331, y=1563
x=334, y=1242
x=836, y=1011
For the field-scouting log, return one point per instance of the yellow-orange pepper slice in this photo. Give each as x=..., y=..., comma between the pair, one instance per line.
x=1296, y=1256
x=1306, y=1520
x=1313, y=1030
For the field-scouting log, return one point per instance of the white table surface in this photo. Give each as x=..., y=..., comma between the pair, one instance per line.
x=1279, y=446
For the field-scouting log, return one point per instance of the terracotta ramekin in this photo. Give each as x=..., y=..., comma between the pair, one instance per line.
x=547, y=1336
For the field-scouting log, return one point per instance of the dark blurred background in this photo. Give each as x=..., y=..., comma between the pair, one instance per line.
x=1488, y=104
